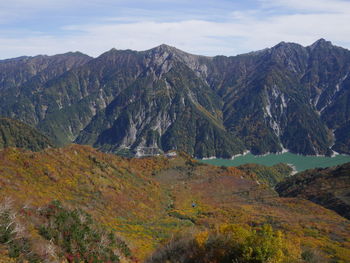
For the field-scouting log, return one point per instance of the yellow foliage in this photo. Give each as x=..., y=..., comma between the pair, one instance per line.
x=4, y=259
x=236, y=232
x=260, y=243
x=148, y=200
x=201, y=238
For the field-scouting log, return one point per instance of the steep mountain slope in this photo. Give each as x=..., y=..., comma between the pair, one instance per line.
x=286, y=97
x=166, y=107
x=328, y=187
x=18, y=71
x=147, y=201
x=275, y=98
x=17, y=134
x=23, y=84
x=136, y=100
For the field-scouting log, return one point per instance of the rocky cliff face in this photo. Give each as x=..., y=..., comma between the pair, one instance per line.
x=287, y=97
x=284, y=97
x=24, y=85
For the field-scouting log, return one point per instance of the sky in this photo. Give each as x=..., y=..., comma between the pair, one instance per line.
x=205, y=27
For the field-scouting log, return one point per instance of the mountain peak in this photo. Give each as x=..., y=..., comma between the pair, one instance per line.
x=286, y=45
x=321, y=43
x=165, y=48
x=282, y=43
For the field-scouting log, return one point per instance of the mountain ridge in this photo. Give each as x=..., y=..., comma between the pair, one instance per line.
x=285, y=97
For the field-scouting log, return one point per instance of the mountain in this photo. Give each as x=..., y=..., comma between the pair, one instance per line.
x=329, y=187
x=17, y=134
x=77, y=204
x=144, y=103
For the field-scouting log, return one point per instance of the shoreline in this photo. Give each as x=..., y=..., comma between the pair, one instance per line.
x=335, y=154
x=297, y=162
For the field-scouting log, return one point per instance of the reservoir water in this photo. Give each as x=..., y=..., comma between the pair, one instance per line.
x=299, y=162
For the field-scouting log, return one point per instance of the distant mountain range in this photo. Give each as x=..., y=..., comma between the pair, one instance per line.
x=288, y=97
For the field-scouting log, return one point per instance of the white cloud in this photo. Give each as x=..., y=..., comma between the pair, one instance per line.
x=244, y=31
x=16, y=10
x=336, y=6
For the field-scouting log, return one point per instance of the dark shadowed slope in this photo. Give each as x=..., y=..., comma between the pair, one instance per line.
x=328, y=187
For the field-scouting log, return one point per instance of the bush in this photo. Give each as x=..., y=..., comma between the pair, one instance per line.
x=13, y=237
x=79, y=237
x=230, y=243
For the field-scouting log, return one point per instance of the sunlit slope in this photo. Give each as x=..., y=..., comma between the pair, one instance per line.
x=147, y=201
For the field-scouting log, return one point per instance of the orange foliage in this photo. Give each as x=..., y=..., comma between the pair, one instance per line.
x=148, y=200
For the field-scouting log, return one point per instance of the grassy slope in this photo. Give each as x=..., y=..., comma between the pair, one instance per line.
x=148, y=200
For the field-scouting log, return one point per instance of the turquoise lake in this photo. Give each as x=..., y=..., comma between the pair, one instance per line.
x=300, y=162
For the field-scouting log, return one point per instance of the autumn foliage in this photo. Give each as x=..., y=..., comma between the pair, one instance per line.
x=150, y=203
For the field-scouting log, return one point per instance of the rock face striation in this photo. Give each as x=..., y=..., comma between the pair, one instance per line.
x=286, y=97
